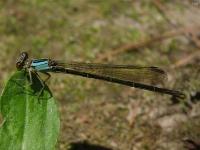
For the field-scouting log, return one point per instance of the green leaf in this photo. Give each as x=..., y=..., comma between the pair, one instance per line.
x=29, y=122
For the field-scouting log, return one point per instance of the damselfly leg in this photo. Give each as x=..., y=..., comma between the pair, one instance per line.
x=42, y=82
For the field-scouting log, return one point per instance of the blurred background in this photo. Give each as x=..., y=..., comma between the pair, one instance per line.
x=163, y=33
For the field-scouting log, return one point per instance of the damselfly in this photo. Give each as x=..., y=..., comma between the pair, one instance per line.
x=147, y=78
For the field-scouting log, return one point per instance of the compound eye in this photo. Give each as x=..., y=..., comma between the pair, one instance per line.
x=19, y=65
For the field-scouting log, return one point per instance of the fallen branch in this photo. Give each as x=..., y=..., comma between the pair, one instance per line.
x=145, y=43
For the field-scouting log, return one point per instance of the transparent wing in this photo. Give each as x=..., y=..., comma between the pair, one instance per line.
x=146, y=75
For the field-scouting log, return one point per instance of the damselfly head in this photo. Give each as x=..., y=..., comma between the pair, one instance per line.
x=21, y=60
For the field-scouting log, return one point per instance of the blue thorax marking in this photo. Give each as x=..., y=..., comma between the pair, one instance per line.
x=40, y=64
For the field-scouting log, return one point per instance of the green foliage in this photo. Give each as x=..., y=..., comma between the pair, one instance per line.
x=29, y=123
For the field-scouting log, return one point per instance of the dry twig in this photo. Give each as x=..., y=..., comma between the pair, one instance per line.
x=184, y=61
x=162, y=9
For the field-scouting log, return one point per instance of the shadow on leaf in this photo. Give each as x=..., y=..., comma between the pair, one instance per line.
x=36, y=85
